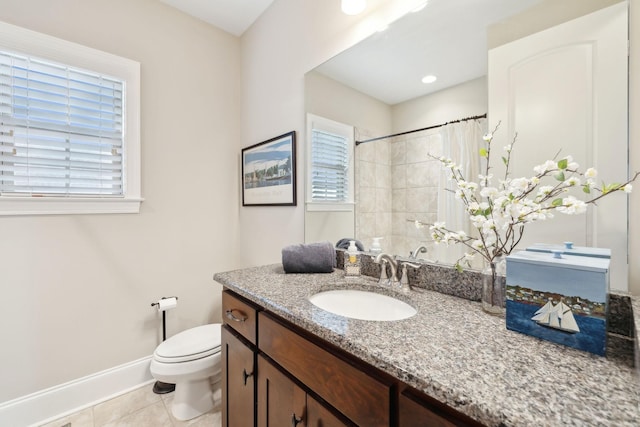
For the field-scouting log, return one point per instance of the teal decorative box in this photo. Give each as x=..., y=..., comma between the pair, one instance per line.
x=569, y=249
x=560, y=298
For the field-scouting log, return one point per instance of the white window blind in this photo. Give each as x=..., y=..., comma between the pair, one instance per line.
x=61, y=130
x=330, y=156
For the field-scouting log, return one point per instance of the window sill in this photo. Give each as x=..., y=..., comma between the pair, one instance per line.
x=330, y=207
x=64, y=206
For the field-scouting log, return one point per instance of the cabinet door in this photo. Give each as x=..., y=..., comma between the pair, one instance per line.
x=281, y=403
x=319, y=416
x=238, y=382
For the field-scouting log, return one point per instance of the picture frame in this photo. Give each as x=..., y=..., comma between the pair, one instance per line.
x=269, y=172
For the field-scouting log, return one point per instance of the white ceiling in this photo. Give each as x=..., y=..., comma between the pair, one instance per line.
x=233, y=16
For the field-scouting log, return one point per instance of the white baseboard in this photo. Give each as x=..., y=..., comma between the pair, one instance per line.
x=64, y=399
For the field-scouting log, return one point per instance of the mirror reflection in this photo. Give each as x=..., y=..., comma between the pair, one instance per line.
x=376, y=87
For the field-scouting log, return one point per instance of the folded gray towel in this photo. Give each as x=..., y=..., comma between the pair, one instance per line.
x=309, y=258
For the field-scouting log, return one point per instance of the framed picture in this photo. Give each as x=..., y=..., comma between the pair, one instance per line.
x=269, y=172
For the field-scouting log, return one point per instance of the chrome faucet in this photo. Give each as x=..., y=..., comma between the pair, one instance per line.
x=420, y=249
x=383, y=259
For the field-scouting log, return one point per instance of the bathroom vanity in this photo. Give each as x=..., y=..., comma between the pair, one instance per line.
x=288, y=362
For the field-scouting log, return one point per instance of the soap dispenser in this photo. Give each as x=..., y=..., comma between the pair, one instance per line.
x=352, y=260
x=375, y=246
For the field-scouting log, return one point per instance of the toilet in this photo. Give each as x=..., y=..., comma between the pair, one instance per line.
x=191, y=361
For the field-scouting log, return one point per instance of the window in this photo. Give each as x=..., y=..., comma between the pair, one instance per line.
x=330, y=165
x=69, y=132
x=60, y=130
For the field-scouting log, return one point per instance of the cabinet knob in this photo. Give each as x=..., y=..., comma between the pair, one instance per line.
x=246, y=375
x=240, y=318
x=295, y=420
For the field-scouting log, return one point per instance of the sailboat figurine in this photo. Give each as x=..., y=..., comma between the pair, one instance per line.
x=557, y=316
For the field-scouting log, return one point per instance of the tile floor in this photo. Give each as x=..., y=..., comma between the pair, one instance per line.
x=138, y=408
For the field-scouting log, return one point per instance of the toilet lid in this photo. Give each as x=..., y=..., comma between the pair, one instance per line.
x=194, y=343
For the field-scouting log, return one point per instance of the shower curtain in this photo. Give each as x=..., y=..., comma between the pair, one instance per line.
x=461, y=142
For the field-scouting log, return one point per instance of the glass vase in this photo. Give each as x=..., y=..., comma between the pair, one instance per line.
x=494, y=283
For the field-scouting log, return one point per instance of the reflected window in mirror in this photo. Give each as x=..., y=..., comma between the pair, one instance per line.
x=330, y=180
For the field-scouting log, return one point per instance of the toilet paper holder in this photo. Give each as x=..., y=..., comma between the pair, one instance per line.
x=164, y=326
x=159, y=304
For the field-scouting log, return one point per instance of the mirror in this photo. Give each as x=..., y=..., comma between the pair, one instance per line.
x=375, y=86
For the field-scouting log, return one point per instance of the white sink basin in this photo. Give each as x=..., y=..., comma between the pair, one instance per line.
x=362, y=305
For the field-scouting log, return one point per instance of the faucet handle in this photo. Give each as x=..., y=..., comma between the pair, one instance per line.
x=404, y=280
x=384, y=279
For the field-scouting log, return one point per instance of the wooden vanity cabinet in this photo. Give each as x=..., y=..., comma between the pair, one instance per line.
x=276, y=374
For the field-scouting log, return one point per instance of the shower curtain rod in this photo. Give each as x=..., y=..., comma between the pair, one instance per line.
x=482, y=116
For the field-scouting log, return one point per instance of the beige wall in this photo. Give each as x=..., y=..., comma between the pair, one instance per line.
x=467, y=99
x=330, y=99
x=77, y=289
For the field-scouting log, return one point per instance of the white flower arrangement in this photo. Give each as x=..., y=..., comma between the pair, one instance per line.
x=500, y=212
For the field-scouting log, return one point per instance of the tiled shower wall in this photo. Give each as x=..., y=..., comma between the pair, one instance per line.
x=397, y=181
x=415, y=183
x=373, y=193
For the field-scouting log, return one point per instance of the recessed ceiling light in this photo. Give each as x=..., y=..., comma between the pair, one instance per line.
x=353, y=7
x=429, y=79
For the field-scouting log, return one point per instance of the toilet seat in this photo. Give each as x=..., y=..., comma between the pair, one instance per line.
x=192, y=344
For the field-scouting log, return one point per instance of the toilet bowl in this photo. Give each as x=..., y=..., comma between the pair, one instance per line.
x=191, y=361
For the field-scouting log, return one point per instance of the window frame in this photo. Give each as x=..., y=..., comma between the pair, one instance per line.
x=322, y=123
x=30, y=43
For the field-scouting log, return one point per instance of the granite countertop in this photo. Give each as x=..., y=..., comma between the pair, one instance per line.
x=456, y=353
x=635, y=304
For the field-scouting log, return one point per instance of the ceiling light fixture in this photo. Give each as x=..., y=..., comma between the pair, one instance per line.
x=353, y=7
x=429, y=79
